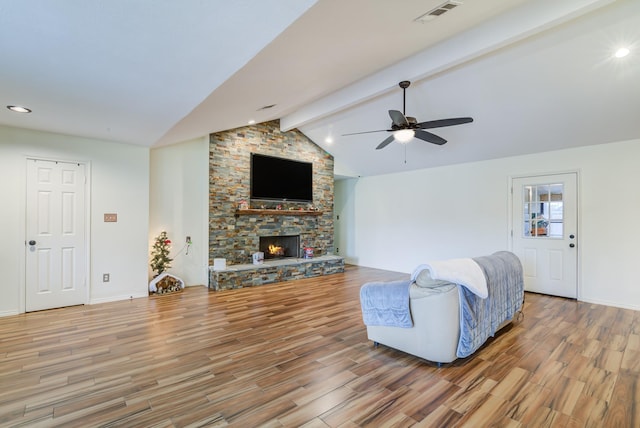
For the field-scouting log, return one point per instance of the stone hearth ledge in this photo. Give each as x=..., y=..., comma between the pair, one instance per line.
x=271, y=271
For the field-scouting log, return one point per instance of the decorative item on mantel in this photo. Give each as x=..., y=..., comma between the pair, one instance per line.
x=308, y=252
x=163, y=282
x=219, y=264
x=258, y=258
x=243, y=205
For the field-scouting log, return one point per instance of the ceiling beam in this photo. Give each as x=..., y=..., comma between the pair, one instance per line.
x=515, y=25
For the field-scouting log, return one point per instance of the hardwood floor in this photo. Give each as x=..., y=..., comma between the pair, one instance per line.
x=296, y=354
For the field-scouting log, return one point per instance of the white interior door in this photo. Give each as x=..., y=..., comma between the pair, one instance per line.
x=55, y=235
x=545, y=219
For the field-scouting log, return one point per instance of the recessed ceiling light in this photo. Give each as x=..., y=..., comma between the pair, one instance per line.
x=19, y=109
x=328, y=140
x=252, y=122
x=622, y=52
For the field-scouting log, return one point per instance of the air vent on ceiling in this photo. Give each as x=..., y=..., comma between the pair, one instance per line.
x=438, y=11
x=267, y=107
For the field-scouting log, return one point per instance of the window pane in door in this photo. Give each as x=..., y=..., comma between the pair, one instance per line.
x=543, y=210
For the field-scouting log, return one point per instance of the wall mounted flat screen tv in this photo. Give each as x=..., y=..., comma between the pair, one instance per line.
x=279, y=179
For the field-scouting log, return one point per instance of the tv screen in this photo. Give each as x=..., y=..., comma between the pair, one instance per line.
x=279, y=179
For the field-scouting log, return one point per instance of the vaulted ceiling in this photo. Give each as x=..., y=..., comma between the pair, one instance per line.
x=536, y=75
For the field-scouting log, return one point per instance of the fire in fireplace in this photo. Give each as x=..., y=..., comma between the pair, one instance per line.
x=276, y=251
x=278, y=247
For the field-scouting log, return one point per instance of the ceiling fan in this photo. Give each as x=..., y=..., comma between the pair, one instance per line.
x=404, y=128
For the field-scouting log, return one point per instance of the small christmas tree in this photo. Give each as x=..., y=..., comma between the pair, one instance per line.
x=160, y=260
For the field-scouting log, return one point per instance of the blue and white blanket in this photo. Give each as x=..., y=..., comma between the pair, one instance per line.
x=480, y=318
x=386, y=303
x=485, y=303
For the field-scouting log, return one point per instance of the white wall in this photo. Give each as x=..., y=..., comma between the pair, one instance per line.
x=344, y=219
x=119, y=183
x=179, y=204
x=398, y=221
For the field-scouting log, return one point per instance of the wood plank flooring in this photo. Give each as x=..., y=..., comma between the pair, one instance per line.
x=296, y=354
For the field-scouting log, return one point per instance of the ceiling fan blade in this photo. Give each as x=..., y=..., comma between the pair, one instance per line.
x=366, y=132
x=444, y=122
x=429, y=137
x=398, y=119
x=385, y=143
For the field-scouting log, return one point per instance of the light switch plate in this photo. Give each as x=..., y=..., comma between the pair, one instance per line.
x=110, y=217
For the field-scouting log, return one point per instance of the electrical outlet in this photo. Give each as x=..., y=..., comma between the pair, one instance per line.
x=106, y=277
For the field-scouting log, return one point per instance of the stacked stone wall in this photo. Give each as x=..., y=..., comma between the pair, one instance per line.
x=235, y=237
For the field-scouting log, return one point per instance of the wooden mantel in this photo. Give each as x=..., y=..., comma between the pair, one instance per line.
x=278, y=212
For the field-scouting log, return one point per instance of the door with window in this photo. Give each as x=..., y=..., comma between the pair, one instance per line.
x=55, y=235
x=544, y=235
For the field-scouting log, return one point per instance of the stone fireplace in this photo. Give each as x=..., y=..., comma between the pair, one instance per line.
x=234, y=234
x=237, y=223
x=280, y=247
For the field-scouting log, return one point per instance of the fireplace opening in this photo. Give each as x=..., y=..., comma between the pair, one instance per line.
x=279, y=247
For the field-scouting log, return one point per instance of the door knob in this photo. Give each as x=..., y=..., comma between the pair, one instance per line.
x=32, y=242
x=572, y=245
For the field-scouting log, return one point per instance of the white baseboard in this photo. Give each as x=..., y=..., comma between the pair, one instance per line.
x=8, y=313
x=117, y=298
x=613, y=304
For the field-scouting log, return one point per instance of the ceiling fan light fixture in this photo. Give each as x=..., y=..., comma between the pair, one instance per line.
x=404, y=135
